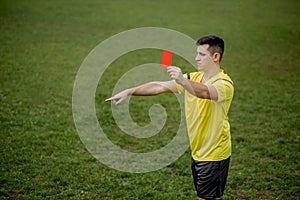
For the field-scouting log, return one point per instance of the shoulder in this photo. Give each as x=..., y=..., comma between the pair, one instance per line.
x=223, y=78
x=224, y=86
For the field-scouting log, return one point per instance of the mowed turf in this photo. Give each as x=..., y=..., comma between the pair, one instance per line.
x=43, y=44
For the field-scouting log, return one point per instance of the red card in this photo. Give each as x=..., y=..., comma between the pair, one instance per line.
x=166, y=59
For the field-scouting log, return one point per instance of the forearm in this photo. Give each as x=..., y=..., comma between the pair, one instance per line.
x=197, y=89
x=149, y=89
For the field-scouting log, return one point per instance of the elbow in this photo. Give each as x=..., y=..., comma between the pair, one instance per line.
x=204, y=95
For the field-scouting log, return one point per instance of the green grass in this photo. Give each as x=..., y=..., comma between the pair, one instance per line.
x=43, y=44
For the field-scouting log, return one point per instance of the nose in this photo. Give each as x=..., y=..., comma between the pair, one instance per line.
x=197, y=58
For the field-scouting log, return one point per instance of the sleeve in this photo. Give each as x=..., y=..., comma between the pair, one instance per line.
x=224, y=89
x=180, y=89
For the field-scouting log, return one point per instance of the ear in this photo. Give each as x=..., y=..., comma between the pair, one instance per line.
x=216, y=57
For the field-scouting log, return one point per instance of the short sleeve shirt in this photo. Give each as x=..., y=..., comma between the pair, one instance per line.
x=207, y=120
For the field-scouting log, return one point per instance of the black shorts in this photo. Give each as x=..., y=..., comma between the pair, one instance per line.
x=210, y=178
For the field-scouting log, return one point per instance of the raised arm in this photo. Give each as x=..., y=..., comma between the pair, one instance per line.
x=197, y=89
x=148, y=89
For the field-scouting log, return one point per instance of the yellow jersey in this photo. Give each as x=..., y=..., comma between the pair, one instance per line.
x=207, y=120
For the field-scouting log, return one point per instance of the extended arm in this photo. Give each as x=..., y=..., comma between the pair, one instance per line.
x=148, y=89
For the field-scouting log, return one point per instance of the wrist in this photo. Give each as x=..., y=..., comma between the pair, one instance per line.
x=184, y=82
x=129, y=91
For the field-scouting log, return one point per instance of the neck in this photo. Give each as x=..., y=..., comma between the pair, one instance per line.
x=212, y=72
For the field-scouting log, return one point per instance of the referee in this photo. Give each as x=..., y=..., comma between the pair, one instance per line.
x=208, y=94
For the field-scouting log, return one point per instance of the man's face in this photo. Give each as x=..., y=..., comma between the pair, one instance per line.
x=203, y=58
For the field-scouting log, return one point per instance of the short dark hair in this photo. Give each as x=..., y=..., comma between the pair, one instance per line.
x=216, y=44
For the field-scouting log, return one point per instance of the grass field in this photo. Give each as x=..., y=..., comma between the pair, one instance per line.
x=43, y=44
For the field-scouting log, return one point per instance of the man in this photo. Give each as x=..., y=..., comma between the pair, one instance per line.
x=208, y=95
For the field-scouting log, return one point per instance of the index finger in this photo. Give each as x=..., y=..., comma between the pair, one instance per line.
x=170, y=68
x=109, y=99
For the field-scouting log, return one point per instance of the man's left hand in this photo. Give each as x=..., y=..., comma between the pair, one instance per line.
x=176, y=74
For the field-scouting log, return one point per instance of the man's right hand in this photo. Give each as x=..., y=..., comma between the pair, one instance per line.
x=120, y=97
